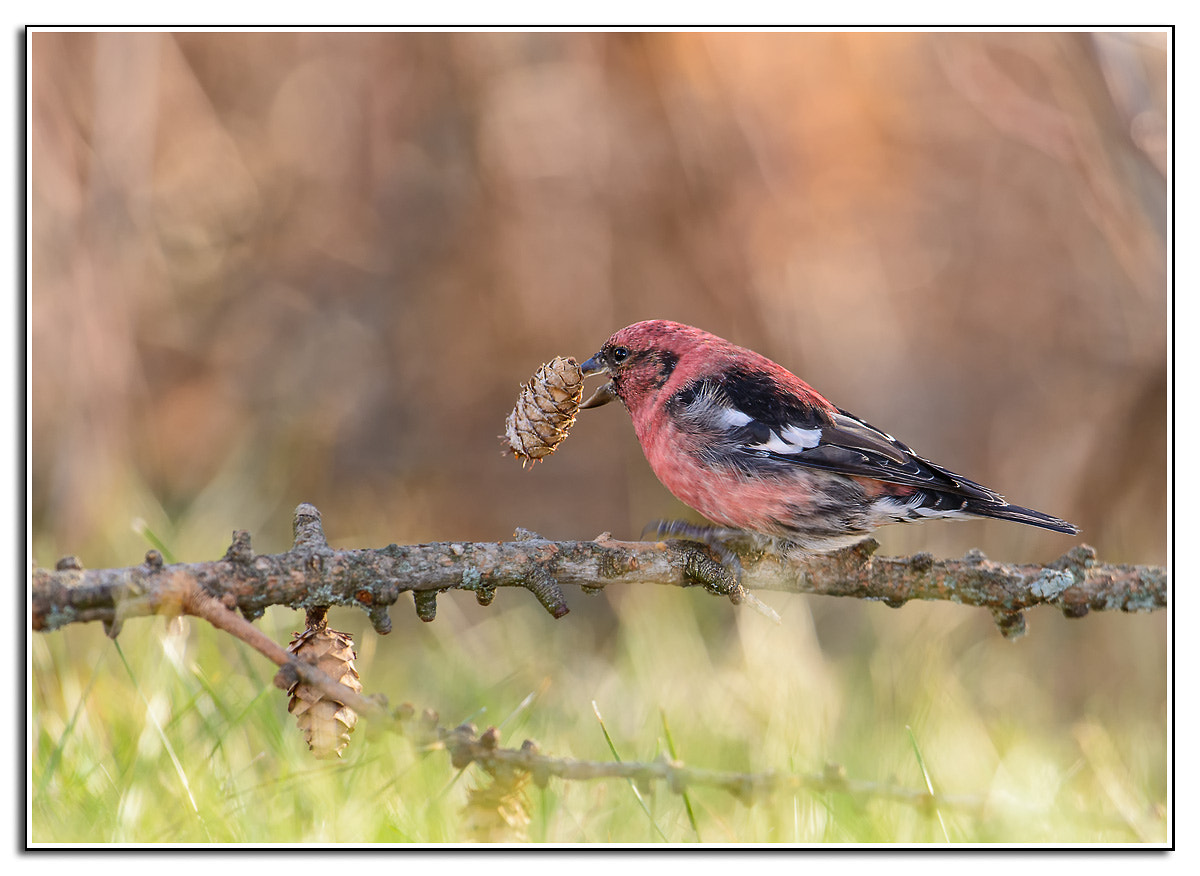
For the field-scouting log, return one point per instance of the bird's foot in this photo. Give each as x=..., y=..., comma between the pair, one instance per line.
x=721, y=577
x=715, y=538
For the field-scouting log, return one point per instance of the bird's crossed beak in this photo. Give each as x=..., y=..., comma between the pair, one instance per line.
x=605, y=393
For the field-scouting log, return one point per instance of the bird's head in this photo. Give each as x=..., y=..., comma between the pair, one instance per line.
x=641, y=358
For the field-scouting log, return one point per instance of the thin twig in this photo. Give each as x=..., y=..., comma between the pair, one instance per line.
x=466, y=746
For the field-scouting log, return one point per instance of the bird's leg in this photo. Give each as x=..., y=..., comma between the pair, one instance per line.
x=715, y=538
x=722, y=578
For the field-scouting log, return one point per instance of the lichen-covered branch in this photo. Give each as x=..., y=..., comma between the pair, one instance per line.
x=313, y=574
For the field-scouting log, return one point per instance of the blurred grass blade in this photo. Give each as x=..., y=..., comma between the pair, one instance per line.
x=1112, y=776
x=170, y=749
x=56, y=756
x=687, y=802
x=529, y=698
x=632, y=783
x=525, y=703
x=928, y=782
x=143, y=529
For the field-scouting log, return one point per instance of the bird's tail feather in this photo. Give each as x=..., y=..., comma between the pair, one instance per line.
x=1021, y=515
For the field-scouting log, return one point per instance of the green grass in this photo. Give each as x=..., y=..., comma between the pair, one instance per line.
x=178, y=735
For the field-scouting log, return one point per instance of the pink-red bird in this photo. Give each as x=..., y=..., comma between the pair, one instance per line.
x=753, y=447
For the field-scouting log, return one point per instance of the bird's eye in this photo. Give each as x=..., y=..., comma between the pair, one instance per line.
x=619, y=354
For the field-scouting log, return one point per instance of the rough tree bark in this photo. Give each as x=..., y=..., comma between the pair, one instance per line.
x=313, y=574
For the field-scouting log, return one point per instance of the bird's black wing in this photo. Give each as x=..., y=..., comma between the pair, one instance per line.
x=766, y=431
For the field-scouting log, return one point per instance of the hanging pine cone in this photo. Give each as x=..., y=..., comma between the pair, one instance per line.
x=545, y=410
x=326, y=724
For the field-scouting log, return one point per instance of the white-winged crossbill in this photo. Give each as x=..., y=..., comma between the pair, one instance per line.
x=754, y=448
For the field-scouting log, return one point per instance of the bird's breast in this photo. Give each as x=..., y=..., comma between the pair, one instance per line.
x=723, y=492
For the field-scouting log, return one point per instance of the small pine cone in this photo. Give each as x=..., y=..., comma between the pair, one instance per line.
x=499, y=812
x=545, y=410
x=326, y=724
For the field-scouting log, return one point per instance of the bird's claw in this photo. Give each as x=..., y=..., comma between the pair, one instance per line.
x=715, y=577
x=713, y=537
x=723, y=578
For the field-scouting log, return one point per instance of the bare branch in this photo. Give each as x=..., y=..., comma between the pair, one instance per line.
x=466, y=745
x=312, y=574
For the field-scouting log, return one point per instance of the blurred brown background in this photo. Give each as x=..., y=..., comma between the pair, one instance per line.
x=274, y=268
